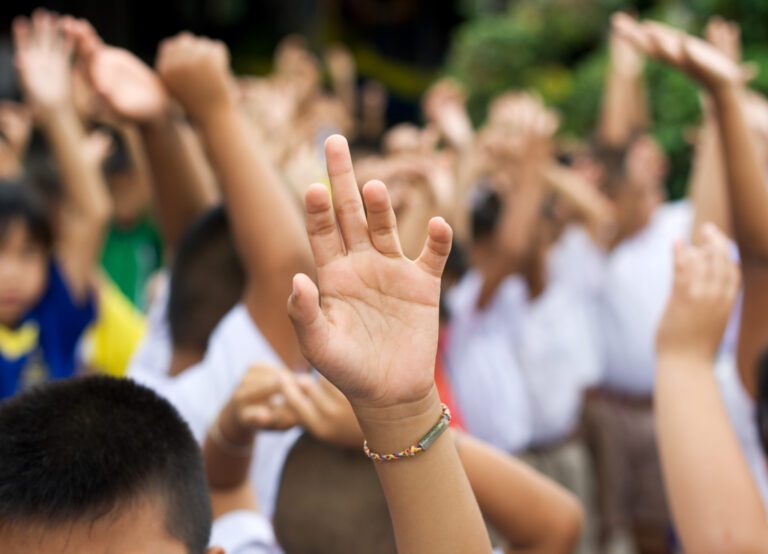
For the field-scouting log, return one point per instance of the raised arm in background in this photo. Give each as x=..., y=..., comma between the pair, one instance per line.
x=182, y=187
x=521, y=157
x=624, y=107
x=266, y=223
x=708, y=187
x=715, y=502
x=370, y=327
x=723, y=79
x=43, y=61
x=445, y=109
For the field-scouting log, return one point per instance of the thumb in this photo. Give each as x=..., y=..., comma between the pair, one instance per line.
x=308, y=320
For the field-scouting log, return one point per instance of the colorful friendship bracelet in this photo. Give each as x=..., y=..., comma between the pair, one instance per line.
x=425, y=442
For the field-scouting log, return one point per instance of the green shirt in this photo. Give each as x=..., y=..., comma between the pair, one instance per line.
x=131, y=255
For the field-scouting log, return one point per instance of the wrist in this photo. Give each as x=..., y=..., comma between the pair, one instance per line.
x=212, y=113
x=232, y=429
x=392, y=428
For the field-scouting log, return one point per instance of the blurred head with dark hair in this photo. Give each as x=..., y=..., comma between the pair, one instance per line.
x=207, y=280
x=98, y=464
x=25, y=247
x=633, y=178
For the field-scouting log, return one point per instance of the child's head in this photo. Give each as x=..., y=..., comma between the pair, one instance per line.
x=25, y=244
x=97, y=464
x=633, y=178
x=330, y=500
x=207, y=280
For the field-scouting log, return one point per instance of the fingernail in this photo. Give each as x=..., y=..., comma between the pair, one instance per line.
x=295, y=290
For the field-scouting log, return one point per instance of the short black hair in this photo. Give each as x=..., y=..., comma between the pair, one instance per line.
x=19, y=202
x=346, y=511
x=207, y=280
x=485, y=210
x=119, y=159
x=613, y=160
x=82, y=448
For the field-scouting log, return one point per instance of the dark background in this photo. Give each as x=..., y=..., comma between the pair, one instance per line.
x=401, y=43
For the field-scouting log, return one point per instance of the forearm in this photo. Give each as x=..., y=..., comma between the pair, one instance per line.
x=585, y=198
x=713, y=498
x=533, y=513
x=429, y=498
x=227, y=464
x=85, y=191
x=708, y=188
x=617, y=113
x=746, y=177
x=181, y=190
x=266, y=223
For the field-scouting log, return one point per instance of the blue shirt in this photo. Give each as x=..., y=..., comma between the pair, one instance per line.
x=43, y=345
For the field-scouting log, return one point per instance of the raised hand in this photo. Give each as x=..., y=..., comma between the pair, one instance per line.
x=196, y=72
x=444, y=105
x=705, y=288
x=370, y=326
x=725, y=36
x=625, y=58
x=699, y=59
x=126, y=85
x=43, y=61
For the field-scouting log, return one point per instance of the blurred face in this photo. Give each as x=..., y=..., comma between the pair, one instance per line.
x=139, y=529
x=23, y=273
x=642, y=191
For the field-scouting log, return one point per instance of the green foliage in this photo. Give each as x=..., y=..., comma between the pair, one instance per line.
x=557, y=47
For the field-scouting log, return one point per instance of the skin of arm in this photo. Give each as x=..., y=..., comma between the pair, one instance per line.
x=133, y=92
x=43, y=62
x=708, y=187
x=228, y=447
x=624, y=108
x=714, y=500
x=257, y=200
x=366, y=286
x=533, y=513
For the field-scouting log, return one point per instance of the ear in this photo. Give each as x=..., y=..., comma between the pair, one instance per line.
x=215, y=550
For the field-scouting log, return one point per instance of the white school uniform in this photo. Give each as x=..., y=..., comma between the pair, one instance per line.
x=557, y=350
x=638, y=278
x=243, y=532
x=153, y=355
x=200, y=392
x=486, y=379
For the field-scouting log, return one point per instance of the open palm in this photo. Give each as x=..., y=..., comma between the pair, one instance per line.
x=373, y=332
x=700, y=59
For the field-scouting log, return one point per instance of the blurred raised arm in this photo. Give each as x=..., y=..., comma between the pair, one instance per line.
x=43, y=61
x=133, y=92
x=266, y=223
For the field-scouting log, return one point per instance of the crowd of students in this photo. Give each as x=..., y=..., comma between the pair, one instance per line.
x=246, y=298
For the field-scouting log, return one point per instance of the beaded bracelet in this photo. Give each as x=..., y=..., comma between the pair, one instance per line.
x=425, y=442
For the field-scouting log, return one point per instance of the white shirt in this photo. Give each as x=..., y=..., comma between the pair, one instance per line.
x=153, y=355
x=200, y=392
x=638, y=279
x=742, y=413
x=577, y=261
x=243, y=532
x=556, y=346
x=486, y=379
